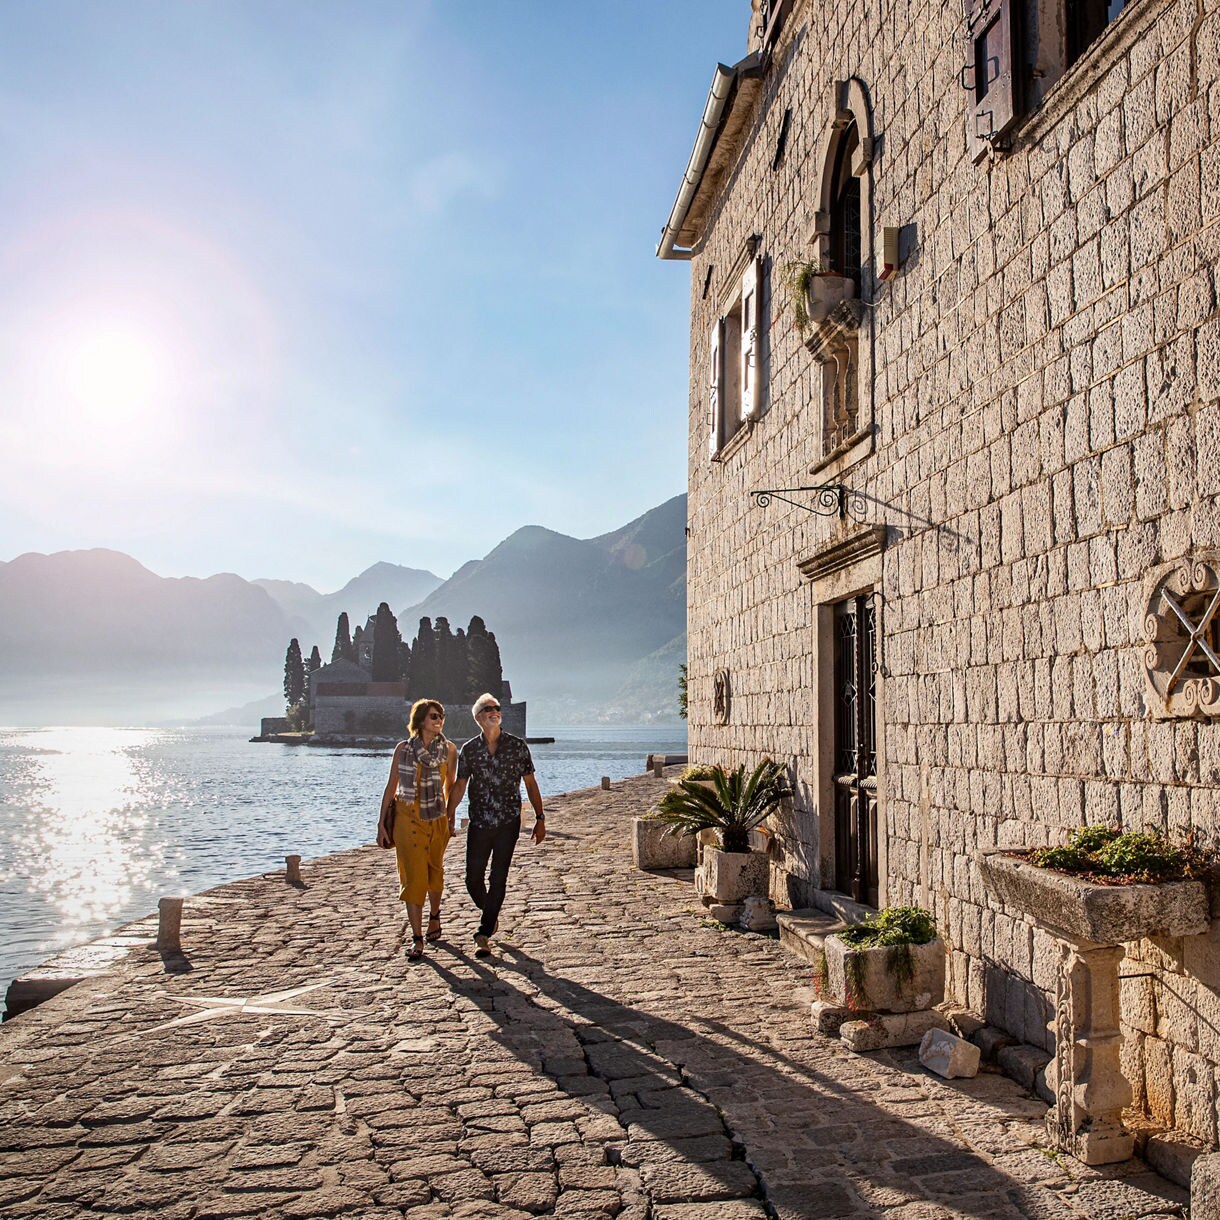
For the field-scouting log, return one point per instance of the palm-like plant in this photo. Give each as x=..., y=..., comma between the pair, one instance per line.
x=733, y=806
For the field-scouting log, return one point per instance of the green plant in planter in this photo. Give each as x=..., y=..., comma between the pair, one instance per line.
x=1112, y=857
x=734, y=805
x=895, y=928
x=796, y=278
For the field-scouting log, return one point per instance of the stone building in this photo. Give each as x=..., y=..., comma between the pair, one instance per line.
x=954, y=300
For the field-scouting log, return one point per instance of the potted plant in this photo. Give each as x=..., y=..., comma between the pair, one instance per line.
x=732, y=805
x=893, y=961
x=815, y=291
x=1104, y=886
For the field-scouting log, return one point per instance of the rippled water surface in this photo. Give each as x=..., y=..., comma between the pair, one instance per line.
x=97, y=824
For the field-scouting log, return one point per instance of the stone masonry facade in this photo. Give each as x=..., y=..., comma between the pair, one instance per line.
x=1036, y=443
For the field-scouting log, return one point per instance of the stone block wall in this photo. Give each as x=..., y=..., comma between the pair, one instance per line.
x=1045, y=395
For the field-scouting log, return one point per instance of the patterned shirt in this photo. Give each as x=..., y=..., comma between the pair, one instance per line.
x=495, y=779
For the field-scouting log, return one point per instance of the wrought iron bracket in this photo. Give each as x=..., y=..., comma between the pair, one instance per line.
x=831, y=498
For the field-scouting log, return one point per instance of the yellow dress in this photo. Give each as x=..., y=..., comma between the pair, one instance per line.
x=419, y=845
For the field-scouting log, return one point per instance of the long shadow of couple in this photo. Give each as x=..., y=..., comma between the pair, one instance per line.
x=706, y=1114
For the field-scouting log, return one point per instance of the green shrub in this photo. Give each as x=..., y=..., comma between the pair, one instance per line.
x=699, y=771
x=1111, y=856
x=893, y=926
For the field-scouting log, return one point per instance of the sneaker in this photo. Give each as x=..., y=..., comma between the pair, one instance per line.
x=482, y=945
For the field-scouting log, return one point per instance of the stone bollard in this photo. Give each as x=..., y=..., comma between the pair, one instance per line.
x=658, y=768
x=606, y=782
x=293, y=866
x=169, y=925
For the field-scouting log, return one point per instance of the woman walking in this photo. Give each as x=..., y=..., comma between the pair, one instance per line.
x=413, y=817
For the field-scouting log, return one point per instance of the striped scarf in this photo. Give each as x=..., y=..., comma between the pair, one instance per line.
x=421, y=772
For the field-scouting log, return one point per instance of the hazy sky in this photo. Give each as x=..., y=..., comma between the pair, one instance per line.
x=290, y=288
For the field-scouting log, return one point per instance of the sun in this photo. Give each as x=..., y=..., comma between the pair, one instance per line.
x=115, y=373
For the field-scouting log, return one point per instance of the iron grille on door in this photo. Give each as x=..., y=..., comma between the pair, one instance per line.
x=855, y=766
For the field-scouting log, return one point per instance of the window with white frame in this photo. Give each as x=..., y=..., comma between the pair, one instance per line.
x=734, y=375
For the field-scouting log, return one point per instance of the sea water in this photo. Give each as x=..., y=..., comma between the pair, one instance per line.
x=97, y=824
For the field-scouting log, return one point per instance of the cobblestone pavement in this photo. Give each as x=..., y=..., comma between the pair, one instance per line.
x=620, y=1055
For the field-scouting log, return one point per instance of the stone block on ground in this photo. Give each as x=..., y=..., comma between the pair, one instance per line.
x=652, y=847
x=948, y=1055
x=1173, y=1155
x=885, y=1030
x=991, y=1039
x=1023, y=1063
x=725, y=912
x=757, y=915
x=829, y=1018
x=1205, y=1187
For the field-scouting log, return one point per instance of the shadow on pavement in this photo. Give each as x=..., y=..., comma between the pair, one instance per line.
x=707, y=1114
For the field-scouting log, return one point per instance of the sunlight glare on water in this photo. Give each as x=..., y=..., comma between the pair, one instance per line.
x=97, y=824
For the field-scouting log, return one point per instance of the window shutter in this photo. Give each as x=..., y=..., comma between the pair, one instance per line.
x=750, y=346
x=715, y=408
x=993, y=75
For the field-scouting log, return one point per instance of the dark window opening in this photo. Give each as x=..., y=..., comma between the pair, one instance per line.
x=845, y=233
x=1086, y=22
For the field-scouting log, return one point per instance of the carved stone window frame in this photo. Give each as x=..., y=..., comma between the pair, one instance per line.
x=841, y=338
x=1182, y=638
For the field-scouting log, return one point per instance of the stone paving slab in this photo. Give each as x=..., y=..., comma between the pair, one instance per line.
x=620, y=1055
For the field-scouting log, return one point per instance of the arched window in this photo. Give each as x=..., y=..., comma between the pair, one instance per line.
x=845, y=207
x=839, y=268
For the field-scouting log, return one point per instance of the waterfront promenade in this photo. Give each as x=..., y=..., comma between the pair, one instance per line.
x=620, y=1055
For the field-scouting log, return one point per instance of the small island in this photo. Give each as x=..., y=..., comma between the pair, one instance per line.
x=362, y=696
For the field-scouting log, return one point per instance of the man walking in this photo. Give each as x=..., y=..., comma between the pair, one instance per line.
x=494, y=765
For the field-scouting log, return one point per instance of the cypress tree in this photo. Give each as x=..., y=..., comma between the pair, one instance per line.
x=294, y=675
x=423, y=676
x=357, y=644
x=386, y=643
x=482, y=661
x=445, y=674
x=343, y=641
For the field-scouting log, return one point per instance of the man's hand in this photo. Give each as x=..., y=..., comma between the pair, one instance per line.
x=539, y=831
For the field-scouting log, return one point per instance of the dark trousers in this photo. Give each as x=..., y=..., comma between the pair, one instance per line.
x=497, y=845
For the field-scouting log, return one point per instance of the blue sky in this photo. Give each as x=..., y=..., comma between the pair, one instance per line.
x=290, y=288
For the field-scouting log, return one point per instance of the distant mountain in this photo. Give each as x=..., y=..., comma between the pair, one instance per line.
x=93, y=635
x=360, y=597
x=588, y=630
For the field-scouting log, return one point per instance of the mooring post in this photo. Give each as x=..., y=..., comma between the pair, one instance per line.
x=658, y=767
x=606, y=782
x=169, y=925
x=293, y=866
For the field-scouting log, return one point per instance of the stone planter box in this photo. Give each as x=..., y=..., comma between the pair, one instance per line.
x=731, y=876
x=1090, y=923
x=874, y=979
x=1102, y=914
x=652, y=847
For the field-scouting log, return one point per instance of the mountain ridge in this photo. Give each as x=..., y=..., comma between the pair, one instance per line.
x=93, y=633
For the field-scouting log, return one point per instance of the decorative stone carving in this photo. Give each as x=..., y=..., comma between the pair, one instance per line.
x=721, y=696
x=1091, y=922
x=1086, y=1076
x=1182, y=629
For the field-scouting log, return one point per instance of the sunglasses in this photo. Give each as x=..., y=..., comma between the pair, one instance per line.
x=489, y=709
x=435, y=716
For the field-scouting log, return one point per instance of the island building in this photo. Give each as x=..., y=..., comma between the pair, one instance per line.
x=345, y=703
x=954, y=477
